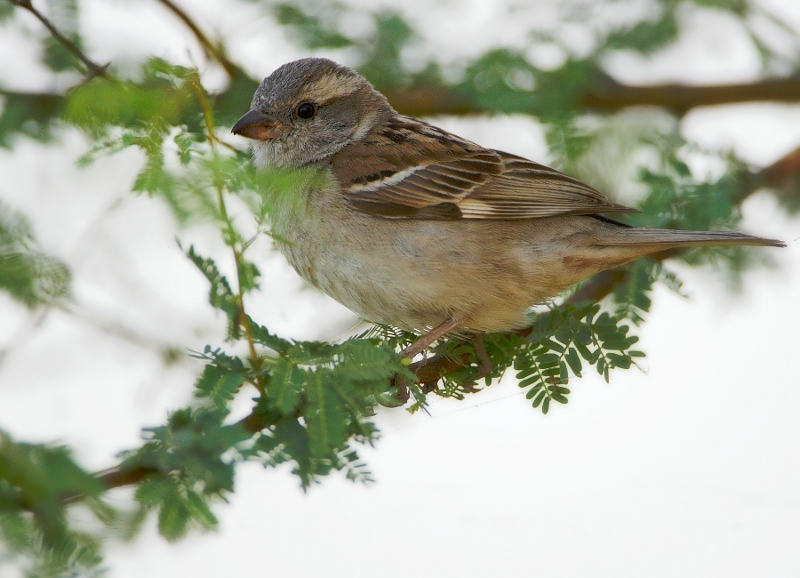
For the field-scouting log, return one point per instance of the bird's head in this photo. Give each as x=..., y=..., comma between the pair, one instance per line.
x=308, y=110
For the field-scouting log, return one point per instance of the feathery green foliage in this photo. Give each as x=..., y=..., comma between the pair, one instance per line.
x=313, y=403
x=560, y=339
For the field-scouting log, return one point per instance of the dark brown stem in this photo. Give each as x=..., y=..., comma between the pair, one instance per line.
x=611, y=95
x=213, y=50
x=782, y=176
x=93, y=68
x=608, y=95
x=432, y=369
x=599, y=286
x=439, y=100
x=118, y=477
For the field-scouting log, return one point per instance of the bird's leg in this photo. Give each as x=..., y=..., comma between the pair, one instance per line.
x=425, y=341
x=484, y=361
x=402, y=390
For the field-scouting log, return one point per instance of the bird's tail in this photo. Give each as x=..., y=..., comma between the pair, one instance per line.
x=661, y=239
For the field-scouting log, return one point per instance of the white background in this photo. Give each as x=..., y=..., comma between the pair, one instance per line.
x=691, y=468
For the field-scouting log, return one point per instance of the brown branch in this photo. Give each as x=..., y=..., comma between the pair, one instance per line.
x=93, y=68
x=432, y=100
x=782, y=176
x=118, y=477
x=214, y=51
x=606, y=94
x=611, y=95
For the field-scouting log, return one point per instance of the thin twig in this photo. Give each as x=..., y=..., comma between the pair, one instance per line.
x=215, y=51
x=243, y=319
x=94, y=69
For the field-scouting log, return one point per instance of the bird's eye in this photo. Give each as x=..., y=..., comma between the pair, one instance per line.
x=306, y=110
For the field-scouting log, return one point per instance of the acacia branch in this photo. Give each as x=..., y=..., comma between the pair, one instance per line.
x=608, y=95
x=119, y=476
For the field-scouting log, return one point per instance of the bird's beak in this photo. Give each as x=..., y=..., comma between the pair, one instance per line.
x=258, y=125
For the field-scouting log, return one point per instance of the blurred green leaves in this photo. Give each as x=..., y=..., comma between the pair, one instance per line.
x=28, y=275
x=163, y=96
x=313, y=30
x=35, y=482
x=648, y=36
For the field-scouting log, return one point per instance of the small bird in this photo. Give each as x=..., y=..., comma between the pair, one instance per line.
x=411, y=226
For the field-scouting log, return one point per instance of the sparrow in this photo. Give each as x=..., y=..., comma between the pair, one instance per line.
x=411, y=226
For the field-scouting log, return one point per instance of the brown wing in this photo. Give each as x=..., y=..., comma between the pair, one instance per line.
x=414, y=170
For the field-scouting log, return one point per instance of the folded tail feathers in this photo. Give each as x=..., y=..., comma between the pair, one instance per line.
x=677, y=238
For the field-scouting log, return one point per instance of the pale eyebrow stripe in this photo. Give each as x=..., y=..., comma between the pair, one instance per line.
x=330, y=87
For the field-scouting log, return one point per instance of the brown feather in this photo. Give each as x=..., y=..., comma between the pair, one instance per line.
x=409, y=169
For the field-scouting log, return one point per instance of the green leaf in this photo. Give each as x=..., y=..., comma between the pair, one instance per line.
x=221, y=296
x=618, y=360
x=192, y=446
x=552, y=345
x=199, y=510
x=220, y=384
x=286, y=384
x=325, y=416
x=297, y=446
x=102, y=103
x=65, y=14
x=647, y=37
x=574, y=361
x=590, y=357
x=355, y=469
x=173, y=518
x=262, y=335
